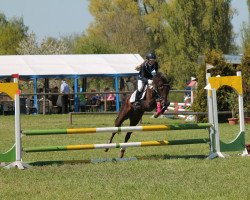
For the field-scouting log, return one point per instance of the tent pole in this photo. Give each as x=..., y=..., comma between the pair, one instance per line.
x=75, y=94
x=117, y=93
x=35, y=93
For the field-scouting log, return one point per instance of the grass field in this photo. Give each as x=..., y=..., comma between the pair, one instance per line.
x=167, y=172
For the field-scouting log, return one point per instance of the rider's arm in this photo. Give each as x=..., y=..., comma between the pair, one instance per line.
x=156, y=67
x=154, y=72
x=139, y=67
x=142, y=74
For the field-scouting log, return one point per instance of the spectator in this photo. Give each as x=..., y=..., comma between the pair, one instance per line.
x=54, y=97
x=64, y=90
x=95, y=100
x=191, y=86
x=111, y=96
x=129, y=85
x=122, y=83
x=111, y=101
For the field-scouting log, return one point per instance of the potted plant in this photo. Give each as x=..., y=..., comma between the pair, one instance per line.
x=232, y=101
x=247, y=120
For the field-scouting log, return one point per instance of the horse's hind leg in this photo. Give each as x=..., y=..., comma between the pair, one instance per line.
x=118, y=122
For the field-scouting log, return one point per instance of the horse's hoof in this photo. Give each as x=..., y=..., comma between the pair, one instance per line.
x=156, y=115
x=121, y=153
x=106, y=150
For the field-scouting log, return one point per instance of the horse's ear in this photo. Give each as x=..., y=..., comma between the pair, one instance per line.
x=159, y=74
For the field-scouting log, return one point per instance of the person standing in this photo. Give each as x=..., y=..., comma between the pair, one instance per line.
x=64, y=90
x=129, y=85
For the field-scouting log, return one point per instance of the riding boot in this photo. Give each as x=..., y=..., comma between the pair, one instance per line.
x=137, y=99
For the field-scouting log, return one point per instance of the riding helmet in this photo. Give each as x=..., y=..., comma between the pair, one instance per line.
x=151, y=56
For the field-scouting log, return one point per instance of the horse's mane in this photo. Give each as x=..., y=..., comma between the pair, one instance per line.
x=159, y=77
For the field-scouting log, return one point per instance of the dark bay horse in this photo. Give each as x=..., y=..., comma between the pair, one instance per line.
x=157, y=93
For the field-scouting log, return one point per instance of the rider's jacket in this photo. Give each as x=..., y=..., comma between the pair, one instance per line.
x=147, y=71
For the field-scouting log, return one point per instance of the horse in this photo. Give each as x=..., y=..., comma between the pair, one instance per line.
x=158, y=92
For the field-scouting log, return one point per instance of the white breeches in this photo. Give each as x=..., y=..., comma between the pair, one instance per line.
x=140, y=85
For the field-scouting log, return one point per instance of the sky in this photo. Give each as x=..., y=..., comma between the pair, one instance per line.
x=57, y=18
x=47, y=18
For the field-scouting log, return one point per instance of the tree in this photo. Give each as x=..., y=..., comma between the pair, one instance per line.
x=215, y=58
x=177, y=30
x=152, y=12
x=245, y=69
x=118, y=28
x=245, y=31
x=51, y=46
x=48, y=46
x=29, y=46
x=93, y=44
x=11, y=33
x=191, y=28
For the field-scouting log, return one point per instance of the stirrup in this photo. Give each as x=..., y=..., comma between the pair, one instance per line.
x=137, y=105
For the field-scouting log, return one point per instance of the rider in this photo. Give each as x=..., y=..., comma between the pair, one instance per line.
x=147, y=70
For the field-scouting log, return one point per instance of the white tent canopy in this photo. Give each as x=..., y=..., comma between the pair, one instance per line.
x=74, y=66
x=69, y=65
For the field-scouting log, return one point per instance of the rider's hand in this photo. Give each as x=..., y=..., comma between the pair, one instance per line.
x=153, y=73
x=138, y=68
x=150, y=82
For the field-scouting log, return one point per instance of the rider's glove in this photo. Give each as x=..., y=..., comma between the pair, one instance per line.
x=150, y=82
x=138, y=68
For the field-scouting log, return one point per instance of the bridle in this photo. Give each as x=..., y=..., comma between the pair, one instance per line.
x=158, y=96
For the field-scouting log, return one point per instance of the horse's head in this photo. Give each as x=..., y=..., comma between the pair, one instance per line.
x=161, y=87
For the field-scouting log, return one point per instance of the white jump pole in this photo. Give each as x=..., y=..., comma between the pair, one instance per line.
x=241, y=116
x=210, y=115
x=18, y=163
x=213, y=119
x=241, y=109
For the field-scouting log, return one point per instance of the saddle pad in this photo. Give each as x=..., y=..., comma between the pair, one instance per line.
x=132, y=98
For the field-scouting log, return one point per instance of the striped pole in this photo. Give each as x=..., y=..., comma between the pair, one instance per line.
x=180, y=104
x=114, y=145
x=176, y=109
x=179, y=109
x=117, y=129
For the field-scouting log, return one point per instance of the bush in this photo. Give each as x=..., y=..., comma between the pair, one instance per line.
x=215, y=58
x=245, y=68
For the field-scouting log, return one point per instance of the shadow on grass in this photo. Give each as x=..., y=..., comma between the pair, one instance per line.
x=168, y=157
x=102, y=160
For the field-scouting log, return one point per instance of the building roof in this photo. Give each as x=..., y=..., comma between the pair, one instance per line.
x=70, y=65
x=233, y=59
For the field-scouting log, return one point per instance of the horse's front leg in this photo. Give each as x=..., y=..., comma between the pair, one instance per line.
x=110, y=140
x=122, y=150
x=134, y=120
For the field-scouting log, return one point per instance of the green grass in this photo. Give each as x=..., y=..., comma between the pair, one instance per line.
x=168, y=172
